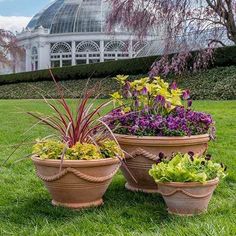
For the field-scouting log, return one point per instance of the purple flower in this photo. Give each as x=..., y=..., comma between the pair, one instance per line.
x=136, y=103
x=161, y=155
x=208, y=157
x=190, y=102
x=160, y=100
x=135, y=93
x=144, y=91
x=186, y=94
x=179, y=122
x=127, y=86
x=146, y=108
x=191, y=154
x=168, y=105
x=174, y=86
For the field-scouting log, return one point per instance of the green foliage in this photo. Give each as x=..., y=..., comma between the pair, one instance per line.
x=154, y=94
x=98, y=70
x=50, y=149
x=53, y=149
x=184, y=168
x=83, y=151
x=25, y=203
x=213, y=84
x=109, y=148
x=223, y=57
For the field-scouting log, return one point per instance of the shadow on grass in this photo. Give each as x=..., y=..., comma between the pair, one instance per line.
x=120, y=205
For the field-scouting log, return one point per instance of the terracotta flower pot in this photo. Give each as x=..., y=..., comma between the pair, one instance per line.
x=80, y=183
x=187, y=198
x=142, y=153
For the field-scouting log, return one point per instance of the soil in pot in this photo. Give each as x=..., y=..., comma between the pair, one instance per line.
x=187, y=199
x=143, y=152
x=80, y=183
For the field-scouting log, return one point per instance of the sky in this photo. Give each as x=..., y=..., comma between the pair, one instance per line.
x=15, y=14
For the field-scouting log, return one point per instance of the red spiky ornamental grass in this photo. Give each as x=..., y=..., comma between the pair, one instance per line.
x=83, y=126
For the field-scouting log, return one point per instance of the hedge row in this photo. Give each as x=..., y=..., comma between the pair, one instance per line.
x=98, y=70
x=223, y=57
x=216, y=84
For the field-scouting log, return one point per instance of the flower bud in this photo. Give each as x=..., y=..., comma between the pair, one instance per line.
x=144, y=91
x=174, y=86
x=190, y=102
x=186, y=94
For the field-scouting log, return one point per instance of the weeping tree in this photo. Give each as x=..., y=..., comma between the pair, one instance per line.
x=184, y=25
x=10, y=52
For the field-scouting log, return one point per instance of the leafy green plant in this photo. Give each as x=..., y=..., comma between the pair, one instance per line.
x=148, y=94
x=53, y=149
x=187, y=168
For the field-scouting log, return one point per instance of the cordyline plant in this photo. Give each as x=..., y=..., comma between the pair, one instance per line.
x=10, y=52
x=181, y=25
x=83, y=132
x=82, y=127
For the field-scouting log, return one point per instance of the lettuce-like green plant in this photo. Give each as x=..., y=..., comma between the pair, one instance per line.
x=187, y=168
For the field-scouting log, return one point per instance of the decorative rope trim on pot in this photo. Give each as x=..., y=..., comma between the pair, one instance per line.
x=150, y=156
x=78, y=174
x=184, y=192
x=142, y=152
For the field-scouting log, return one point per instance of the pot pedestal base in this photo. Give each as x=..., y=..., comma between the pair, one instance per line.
x=78, y=206
x=140, y=189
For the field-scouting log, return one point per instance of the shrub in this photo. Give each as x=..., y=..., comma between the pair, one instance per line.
x=215, y=84
x=223, y=57
x=98, y=70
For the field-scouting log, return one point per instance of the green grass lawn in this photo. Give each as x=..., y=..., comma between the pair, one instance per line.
x=25, y=207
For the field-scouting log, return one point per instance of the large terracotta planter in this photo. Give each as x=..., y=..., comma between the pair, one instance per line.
x=187, y=198
x=142, y=153
x=80, y=183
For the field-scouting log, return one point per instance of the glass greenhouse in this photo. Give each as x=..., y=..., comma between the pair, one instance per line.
x=71, y=32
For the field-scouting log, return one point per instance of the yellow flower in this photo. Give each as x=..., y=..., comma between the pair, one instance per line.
x=116, y=96
x=127, y=109
x=121, y=78
x=176, y=92
x=139, y=83
x=161, y=83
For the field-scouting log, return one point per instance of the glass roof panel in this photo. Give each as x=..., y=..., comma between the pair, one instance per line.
x=65, y=16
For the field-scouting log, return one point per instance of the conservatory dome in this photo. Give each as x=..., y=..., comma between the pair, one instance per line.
x=72, y=16
x=73, y=32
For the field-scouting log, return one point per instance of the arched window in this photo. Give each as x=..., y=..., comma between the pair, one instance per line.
x=138, y=47
x=61, y=54
x=87, y=52
x=115, y=50
x=117, y=46
x=61, y=48
x=34, y=58
x=87, y=46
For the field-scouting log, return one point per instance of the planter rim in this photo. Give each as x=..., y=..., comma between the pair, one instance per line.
x=189, y=184
x=125, y=136
x=75, y=163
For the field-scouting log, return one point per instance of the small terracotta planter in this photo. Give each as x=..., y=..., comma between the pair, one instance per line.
x=80, y=183
x=142, y=153
x=187, y=199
